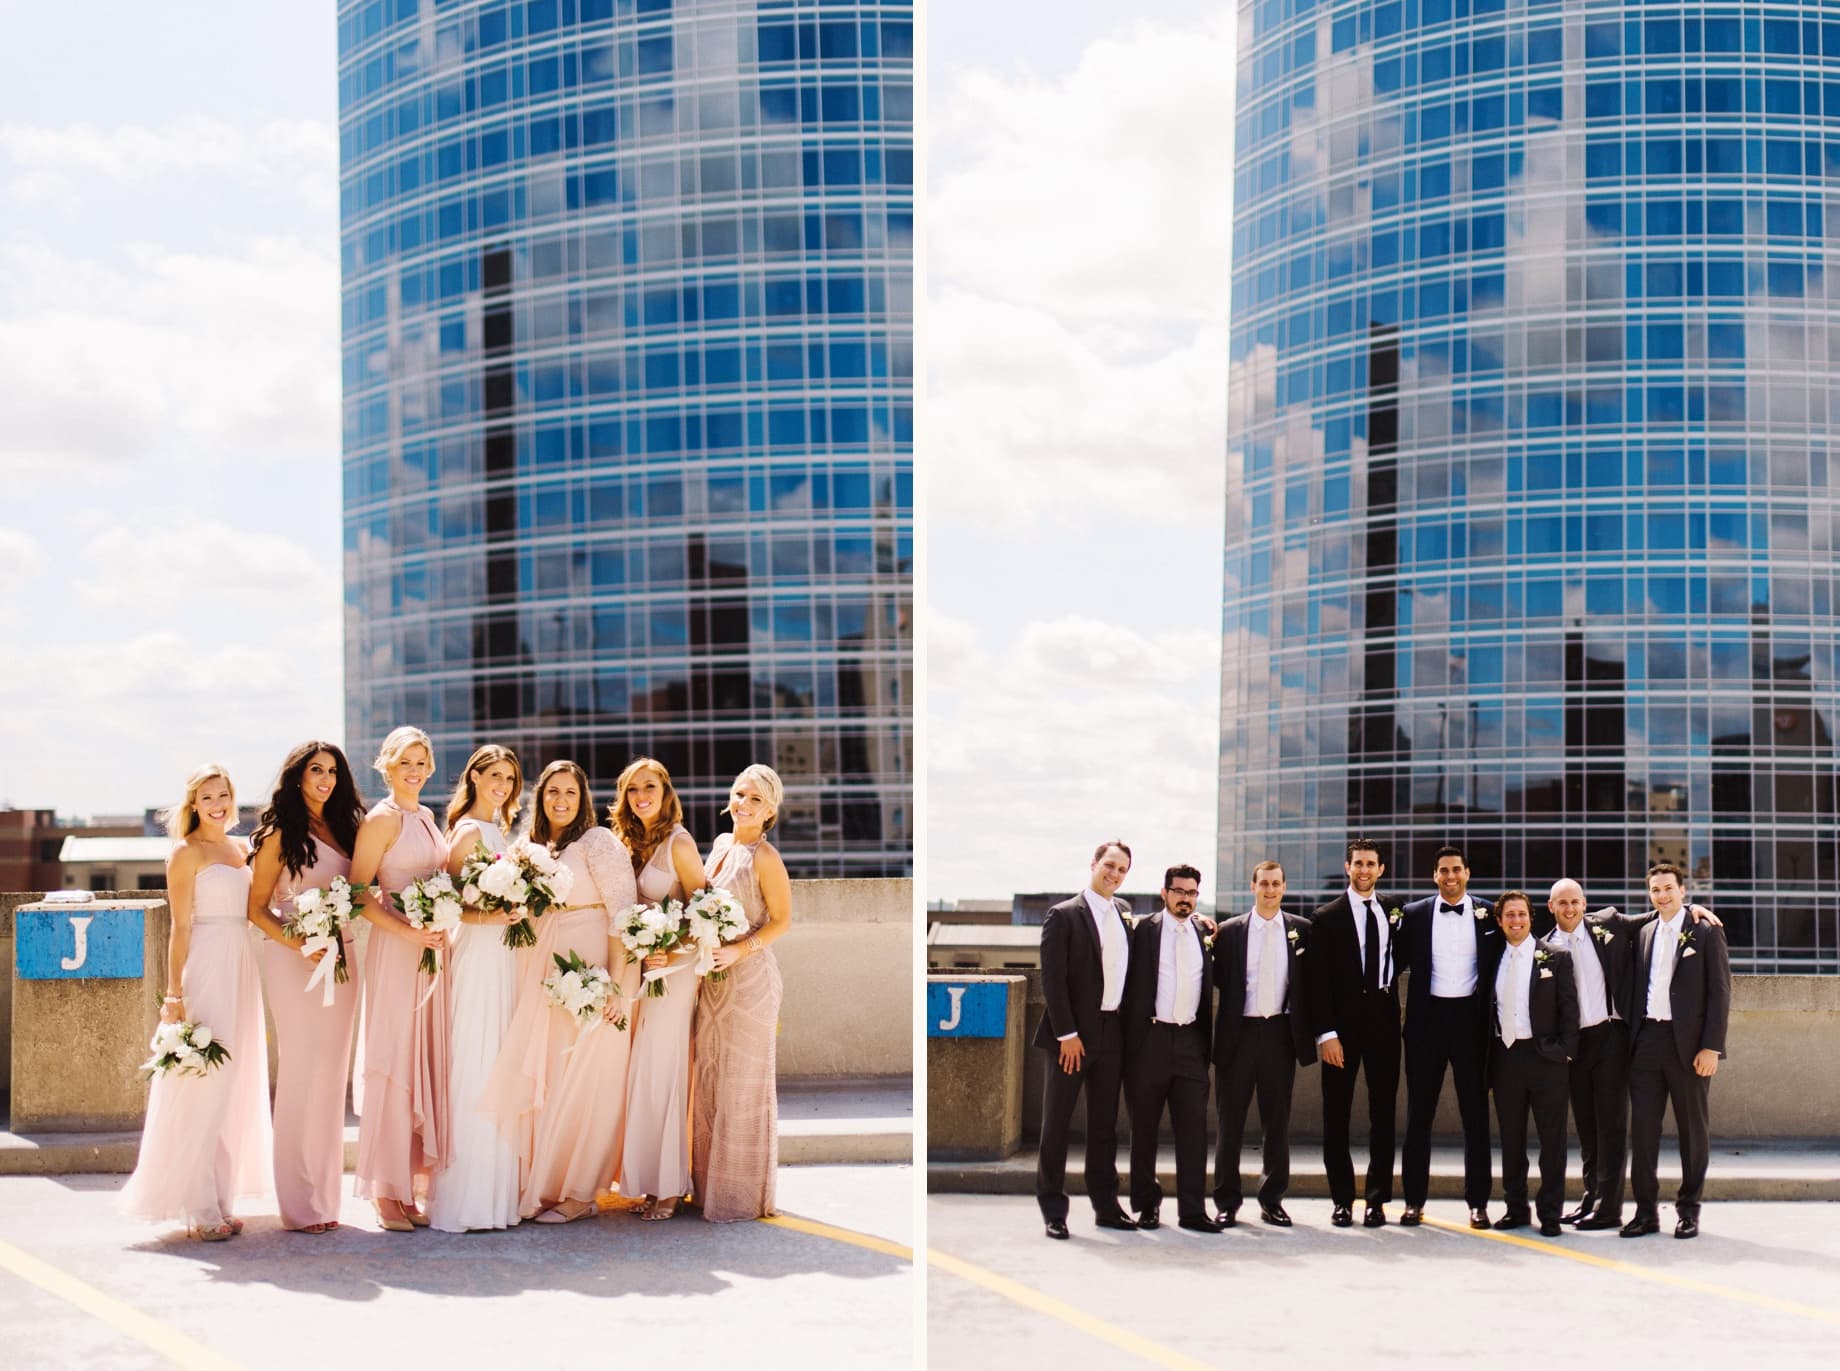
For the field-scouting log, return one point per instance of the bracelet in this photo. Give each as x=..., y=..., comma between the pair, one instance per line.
x=173, y=999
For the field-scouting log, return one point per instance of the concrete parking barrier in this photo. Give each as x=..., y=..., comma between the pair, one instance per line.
x=974, y=1060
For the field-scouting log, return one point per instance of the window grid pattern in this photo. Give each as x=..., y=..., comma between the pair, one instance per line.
x=1530, y=524
x=627, y=323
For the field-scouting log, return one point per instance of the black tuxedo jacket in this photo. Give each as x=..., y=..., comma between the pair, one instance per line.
x=1230, y=977
x=1336, y=975
x=1072, y=972
x=1552, y=1004
x=1699, y=996
x=1142, y=976
x=1613, y=938
x=1413, y=949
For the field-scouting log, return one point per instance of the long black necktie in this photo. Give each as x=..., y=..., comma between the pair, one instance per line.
x=1371, y=966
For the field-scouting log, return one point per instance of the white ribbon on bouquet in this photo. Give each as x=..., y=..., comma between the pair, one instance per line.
x=327, y=943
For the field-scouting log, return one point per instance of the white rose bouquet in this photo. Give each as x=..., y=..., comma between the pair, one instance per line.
x=581, y=989
x=526, y=881
x=320, y=914
x=650, y=928
x=431, y=902
x=187, y=1048
x=714, y=917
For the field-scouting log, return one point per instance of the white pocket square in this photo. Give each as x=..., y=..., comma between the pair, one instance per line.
x=1688, y=953
x=1545, y=974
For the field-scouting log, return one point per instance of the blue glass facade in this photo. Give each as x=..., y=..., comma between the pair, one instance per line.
x=628, y=324
x=1531, y=519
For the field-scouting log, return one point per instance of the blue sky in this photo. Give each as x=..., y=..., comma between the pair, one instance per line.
x=1075, y=341
x=169, y=371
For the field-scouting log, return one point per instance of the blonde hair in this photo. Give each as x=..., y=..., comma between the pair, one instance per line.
x=398, y=741
x=466, y=794
x=641, y=841
x=182, y=819
x=772, y=790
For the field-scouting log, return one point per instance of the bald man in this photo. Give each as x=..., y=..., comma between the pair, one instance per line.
x=1602, y=947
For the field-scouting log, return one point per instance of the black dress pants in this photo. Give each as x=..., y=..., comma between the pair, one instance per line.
x=1524, y=1080
x=1169, y=1068
x=1370, y=1045
x=1100, y=1074
x=1440, y=1033
x=1657, y=1076
x=1264, y=1060
x=1600, y=1112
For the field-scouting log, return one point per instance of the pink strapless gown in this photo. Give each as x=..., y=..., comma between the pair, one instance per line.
x=207, y=1139
x=314, y=1051
x=578, y=1126
x=403, y=1123
x=656, y=1157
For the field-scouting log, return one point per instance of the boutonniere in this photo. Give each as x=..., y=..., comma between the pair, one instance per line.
x=1481, y=914
x=1208, y=942
x=1603, y=935
x=1541, y=955
x=1291, y=934
x=1394, y=915
x=1684, y=937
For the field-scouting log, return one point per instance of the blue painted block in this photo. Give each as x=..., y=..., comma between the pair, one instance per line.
x=80, y=944
x=966, y=1009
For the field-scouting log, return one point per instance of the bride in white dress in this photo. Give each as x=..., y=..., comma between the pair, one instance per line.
x=479, y=1186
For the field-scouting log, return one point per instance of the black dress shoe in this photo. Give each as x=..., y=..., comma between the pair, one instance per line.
x=1198, y=1223
x=1227, y=1218
x=1119, y=1220
x=1375, y=1217
x=1641, y=1226
x=1578, y=1215
x=1149, y=1218
x=1597, y=1223
x=1057, y=1228
x=1549, y=1228
x=1412, y=1217
x=1514, y=1219
x=1274, y=1215
x=1343, y=1217
x=1479, y=1218
x=1687, y=1228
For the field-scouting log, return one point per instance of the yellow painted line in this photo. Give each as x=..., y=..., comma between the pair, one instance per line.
x=1122, y=1338
x=169, y=1342
x=835, y=1234
x=1646, y=1273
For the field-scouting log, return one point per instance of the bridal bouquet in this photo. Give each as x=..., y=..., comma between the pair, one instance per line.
x=649, y=928
x=431, y=902
x=714, y=917
x=581, y=989
x=187, y=1048
x=319, y=915
x=525, y=881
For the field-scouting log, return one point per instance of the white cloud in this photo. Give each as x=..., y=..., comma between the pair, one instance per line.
x=168, y=553
x=21, y=558
x=176, y=357
x=53, y=164
x=1073, y=730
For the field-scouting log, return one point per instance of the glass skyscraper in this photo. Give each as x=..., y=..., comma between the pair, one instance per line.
x=1531, y=498
x=627, y=328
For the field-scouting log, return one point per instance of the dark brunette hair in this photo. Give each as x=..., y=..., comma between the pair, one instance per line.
x=1668, y=869
x=287, y=815
x=1106, y=846
x=1177, y=871
x=540, y=829
x=1363, y=845
x=1501, y=902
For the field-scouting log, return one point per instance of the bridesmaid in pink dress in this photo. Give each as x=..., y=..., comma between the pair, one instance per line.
x=529, y=1066
x=207, y=1139
x=655, y=1161
x=577, y=1118
x=403, y=1125
x=734, y=1098
x=304, y=839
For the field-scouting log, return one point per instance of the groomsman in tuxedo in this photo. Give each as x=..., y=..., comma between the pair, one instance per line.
x=1679, y=1008
x=1085, y=952
x=1450, y=944
x=1261, y=1036
x=1354, y=1012
x=1533, y=1011
x=1168, y=1034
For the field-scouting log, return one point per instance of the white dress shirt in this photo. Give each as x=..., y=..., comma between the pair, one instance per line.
x=1453, y=950
x=1661, y=967
x=1593, y=996
x=1265, y=942
x=1178, y=971
x=1513, y=992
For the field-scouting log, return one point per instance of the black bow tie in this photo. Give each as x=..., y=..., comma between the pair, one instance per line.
x=1449, y=908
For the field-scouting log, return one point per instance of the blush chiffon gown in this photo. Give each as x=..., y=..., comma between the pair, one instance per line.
x=656, y=1157
x=207, y=1140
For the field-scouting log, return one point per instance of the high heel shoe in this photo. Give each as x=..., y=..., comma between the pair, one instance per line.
x=659, y=1210
x=222, y=1232
x=397, y=1224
